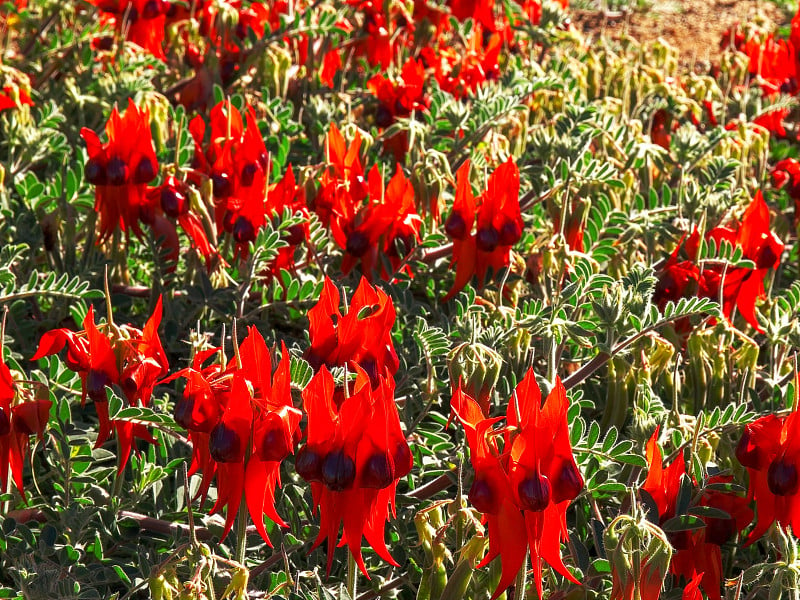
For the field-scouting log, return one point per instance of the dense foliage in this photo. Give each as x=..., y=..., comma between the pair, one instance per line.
x=425, y=299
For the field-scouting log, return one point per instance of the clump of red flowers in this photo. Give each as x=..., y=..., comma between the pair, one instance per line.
x=697, y=551
x=242, y=424
x=388, y=224
x=737, y=287
x=770, y=450
x=125, y=357
x=121, y=168
x=462, y=72
x=398, y=99
x=342, y=186
x=141, y=20
x=354, y=456
x=497, y=219
x=524, y=484
x=355, y=450
x=22, y=414
x=361, y=337
x=235, y=159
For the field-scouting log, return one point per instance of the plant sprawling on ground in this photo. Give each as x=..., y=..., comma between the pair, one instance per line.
x=426, y=299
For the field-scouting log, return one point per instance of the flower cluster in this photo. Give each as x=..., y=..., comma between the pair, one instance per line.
x=497, y=219
x=235, y=159
x=125, y=357
x=355, y=451
x=387, y=223
x=242, y=424
x=398, y=99
x=738, y=287
x=697, y=552
x=22, y=414
x=770, y=451
x=342, y=187
x=524, y=485
x=360, y=337
x=121, y=168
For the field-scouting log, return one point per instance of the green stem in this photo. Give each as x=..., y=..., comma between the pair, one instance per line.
x=119, y=476
x=352, y=575
x=521, y=581
x=241, y=532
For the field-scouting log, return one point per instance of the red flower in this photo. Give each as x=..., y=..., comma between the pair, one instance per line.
x=388, y=223
x=12, y=97
x=773, y=62
x=523, y=491
x=128, y=357
x=21, y=416
x=142, y=21
x=498, y=225
x=121, y=168
x=398, y=100
x=462, y=72
x=740, y=287
x=242, y=424
x=342, y=186
x=353, y=458
x=660, y=129
x=374, y=41
x=772, y=121
x=770, y=449
x=172, y=199
x=481, y=11
x=236, y=161
x=697, y=552
x=786, y=173
x=331, y=64
x=677, y=279
x=692, y=589
x=361, y=337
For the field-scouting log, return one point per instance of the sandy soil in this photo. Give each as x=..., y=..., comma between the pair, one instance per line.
x=695, y=27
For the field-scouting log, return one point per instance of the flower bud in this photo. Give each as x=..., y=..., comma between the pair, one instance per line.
x=477, y=368
x=639, y=553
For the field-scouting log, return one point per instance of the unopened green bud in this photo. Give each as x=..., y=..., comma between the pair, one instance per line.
x=639, y=554
x=477, y=368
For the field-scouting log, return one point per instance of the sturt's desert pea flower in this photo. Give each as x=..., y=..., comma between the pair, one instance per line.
x=739, y=287
x=770, y=450
x=696, y=552
x=235, y=159
x=388, y=225
x=353, y=457
x=360, y=337
x=497, y=220
x=524, y=487
x=124, y=356
x=242, y=424
x=22, y=414
x=121, y=168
